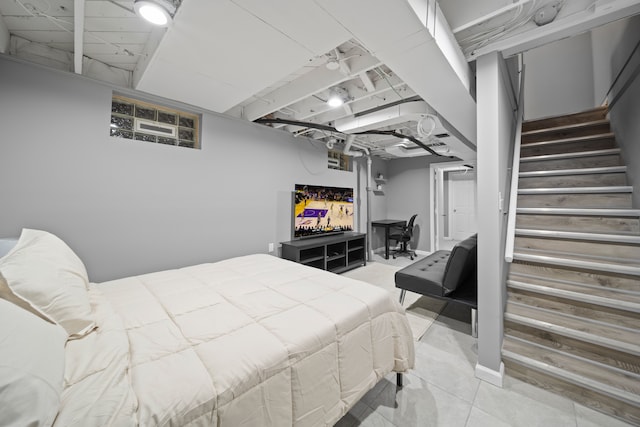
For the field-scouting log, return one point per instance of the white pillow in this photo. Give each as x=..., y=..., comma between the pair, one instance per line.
x=42, y=270
x=31, y=368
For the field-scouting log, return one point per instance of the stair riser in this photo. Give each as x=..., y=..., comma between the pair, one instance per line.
x=595, y=400
x=590, y=180
x=607, y=356
x=613, y=251
x=568, y=147
x=577, y=308
x=541, y=135
x=569, y=200
x=574, y=163
x=570, y=119
x=604, y=279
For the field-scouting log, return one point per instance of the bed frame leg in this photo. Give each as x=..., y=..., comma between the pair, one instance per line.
x=399, y=379
x=402, y=294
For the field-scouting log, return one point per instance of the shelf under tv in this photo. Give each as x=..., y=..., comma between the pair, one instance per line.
x=337, y=252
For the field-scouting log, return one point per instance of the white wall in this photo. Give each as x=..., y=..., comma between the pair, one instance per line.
x=128, y=207
x=605, y=41
x=559, y=78
x=625, y=102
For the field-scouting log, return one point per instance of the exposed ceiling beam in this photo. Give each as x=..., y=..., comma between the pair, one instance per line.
x=600, y=13
x=366, y=81
x=310, y=107
x=314, y=81
x=78, y=35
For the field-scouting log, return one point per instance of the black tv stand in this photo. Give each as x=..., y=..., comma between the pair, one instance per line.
x=336, y=253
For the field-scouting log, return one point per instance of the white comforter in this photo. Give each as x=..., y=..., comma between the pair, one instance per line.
x=249, y=341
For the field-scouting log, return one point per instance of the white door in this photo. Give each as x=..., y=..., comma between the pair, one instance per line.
x=462, y=204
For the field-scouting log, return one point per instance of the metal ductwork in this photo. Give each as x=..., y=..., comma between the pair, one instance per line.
x=420, y=48
x=410, y=111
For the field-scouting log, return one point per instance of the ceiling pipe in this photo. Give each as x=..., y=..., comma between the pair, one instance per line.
x=347, y=147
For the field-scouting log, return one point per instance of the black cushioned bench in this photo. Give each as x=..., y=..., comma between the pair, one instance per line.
x=448, y=275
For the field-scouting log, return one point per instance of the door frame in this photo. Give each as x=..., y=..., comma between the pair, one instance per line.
x=436, y=190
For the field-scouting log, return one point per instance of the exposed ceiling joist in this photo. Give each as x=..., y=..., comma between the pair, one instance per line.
x=598, y=13
x=315, y=81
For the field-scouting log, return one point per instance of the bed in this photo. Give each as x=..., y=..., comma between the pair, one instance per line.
x=249, y=341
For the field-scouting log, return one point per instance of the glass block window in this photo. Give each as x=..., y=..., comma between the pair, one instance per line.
x=142, y=121
x=339, y=161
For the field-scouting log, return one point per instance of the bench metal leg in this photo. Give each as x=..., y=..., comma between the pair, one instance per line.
x=474, y=323
x=399, y=379
x=402, y=294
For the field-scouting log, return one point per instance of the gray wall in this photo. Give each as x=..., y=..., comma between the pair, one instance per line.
x=559, y=78
x=409, y=194
x=625, y=110
x=129, y=207
x=379, y=201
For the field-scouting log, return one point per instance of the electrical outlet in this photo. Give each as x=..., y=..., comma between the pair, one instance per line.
x=271, y=248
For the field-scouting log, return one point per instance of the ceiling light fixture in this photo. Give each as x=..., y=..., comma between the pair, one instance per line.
x=158, y=12
x=332, y=64
x=337, y=97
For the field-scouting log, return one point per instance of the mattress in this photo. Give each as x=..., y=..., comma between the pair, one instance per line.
x=250, y=341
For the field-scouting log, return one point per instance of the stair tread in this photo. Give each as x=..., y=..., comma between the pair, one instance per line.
x=628, y=266
x=630, y=213
x=591, y=114
x=578, y=154
x=558, y=274
x=577, y=370
x=575, y=235
x=599, y=333
x=597, y=295
x=581, y=190
x=566, y=140
x=572, y=126
x=598, y=259
x=574, y=171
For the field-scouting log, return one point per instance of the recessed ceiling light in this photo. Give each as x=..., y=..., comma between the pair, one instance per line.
x=337, y=97
x=158, y=12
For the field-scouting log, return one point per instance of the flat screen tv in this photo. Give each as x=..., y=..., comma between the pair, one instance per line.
x=320, y=210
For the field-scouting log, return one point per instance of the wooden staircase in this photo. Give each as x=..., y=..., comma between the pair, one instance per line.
x=572, y=320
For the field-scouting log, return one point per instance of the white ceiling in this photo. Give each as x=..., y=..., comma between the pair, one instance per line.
x=399, y=60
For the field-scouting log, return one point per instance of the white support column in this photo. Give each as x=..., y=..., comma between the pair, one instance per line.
x=4, y=37
x=78, y=35
x=495, y=125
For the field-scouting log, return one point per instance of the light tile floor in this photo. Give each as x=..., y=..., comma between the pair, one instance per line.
x=442, y=390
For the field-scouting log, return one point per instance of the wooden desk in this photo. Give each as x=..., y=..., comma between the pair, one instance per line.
x=387, y=224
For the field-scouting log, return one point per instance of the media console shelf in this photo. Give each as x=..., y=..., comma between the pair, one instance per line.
x=336, y=253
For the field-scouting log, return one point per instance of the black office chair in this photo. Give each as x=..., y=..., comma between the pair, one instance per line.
x=403, y=237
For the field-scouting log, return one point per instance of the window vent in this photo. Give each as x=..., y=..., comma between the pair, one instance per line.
x=338, y=160
x=143, y=121
x=156, y=128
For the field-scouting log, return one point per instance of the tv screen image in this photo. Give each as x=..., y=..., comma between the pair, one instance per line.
x=320, y=210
